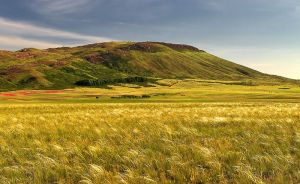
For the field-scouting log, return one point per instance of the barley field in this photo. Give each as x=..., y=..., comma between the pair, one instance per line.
x=150, y=143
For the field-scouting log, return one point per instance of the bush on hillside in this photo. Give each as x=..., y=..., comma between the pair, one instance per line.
x=102, y=82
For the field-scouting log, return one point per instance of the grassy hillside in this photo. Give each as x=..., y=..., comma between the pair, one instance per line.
x=64, y=67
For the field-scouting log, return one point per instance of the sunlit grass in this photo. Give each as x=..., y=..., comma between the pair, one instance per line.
x=150, y=143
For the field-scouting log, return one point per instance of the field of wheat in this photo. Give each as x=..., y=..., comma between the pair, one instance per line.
x=150, y=143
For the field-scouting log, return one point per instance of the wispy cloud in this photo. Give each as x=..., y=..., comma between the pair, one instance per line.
x=41, y=37
x=37, y=30
x=60, y=6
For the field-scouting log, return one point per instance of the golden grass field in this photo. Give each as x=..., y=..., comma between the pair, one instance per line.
x=150, y=143
x=253, y=140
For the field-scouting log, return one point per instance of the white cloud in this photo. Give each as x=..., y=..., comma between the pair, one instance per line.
x=23, y=34
x=59, y=6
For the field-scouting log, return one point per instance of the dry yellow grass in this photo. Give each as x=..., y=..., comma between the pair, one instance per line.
x=150, y=143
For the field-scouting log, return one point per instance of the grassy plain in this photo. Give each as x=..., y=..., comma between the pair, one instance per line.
x=167, y=90
x=204, y=132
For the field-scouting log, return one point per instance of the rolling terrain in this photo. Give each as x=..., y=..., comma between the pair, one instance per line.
x=115, y=62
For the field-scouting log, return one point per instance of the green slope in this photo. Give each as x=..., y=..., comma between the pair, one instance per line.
x=63, y=67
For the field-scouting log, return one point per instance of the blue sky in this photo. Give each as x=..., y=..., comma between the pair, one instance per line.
x=262, y=34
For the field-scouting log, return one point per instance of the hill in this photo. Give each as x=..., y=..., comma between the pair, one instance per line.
x=104, y=63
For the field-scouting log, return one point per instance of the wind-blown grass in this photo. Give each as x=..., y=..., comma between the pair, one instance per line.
x=150, y=143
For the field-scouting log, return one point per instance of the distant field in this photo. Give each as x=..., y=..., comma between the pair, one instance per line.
x=150, y=143
x=163, y=91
